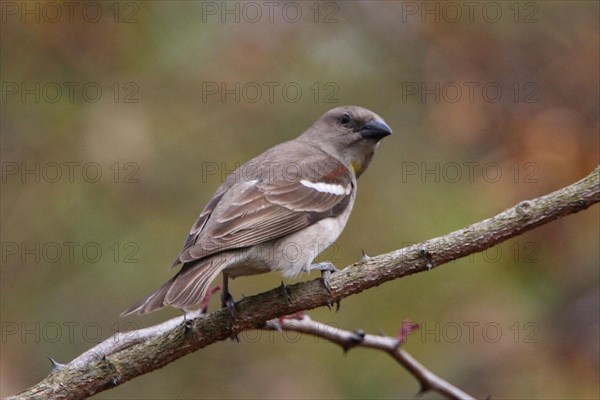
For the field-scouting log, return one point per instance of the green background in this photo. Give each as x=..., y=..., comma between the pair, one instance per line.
x=518, y=321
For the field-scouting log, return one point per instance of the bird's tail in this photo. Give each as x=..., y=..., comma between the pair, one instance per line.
x=185, y=290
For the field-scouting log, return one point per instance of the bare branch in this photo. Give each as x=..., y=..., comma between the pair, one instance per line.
x=390, y=345
x=123, y=340
x=76, y=381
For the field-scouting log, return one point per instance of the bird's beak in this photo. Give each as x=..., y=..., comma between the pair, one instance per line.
x=375, y=129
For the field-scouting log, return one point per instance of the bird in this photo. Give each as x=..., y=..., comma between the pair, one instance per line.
x=276, y=212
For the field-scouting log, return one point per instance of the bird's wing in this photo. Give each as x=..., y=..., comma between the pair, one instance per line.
x=190, y=240
x=249, y=212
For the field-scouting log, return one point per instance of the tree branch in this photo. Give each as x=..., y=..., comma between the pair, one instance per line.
x=390, y=345
x=78, y=380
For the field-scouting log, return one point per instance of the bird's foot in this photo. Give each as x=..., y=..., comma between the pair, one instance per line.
x=286, y=292
x=326, y=269
x=228, y=302
x=226, y=297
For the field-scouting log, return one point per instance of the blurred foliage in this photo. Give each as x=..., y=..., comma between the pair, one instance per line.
x=532, y=303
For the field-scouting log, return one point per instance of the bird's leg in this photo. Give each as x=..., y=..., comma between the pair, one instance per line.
x=326, y=269
x=187, y=324
x=226, y=298
x=286, y=292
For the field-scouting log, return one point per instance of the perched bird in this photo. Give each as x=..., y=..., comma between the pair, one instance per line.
x=276, y=212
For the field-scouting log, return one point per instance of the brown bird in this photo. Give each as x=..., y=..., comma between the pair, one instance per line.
x=276, y=212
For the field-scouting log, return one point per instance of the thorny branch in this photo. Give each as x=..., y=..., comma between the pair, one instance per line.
x=101, y=368
x=302, y=323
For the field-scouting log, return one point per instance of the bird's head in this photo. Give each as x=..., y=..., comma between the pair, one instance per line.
x=349, y=133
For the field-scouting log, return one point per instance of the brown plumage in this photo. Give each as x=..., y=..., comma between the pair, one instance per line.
x=277, y=211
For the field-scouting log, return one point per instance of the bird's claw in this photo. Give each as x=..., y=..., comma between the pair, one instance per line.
x=228, y=303
x=326, y=269
x=286, y=292
x=325, y=279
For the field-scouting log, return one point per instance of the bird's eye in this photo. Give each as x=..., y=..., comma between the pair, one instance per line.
x=345, y=119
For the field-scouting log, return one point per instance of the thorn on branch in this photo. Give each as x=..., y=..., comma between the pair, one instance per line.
x=357, y=337
x=56, y=366
x=106, y=361
x=424, y=388
x=406, y=329
x=426, y=256
x=524, y=208
x=365, y=257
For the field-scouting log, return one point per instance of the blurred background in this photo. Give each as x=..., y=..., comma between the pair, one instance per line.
x=120, y=119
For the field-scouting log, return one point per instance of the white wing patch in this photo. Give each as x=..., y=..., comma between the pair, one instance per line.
x=323, y=187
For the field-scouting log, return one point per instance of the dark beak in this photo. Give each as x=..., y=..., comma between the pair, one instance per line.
x=375, y=129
